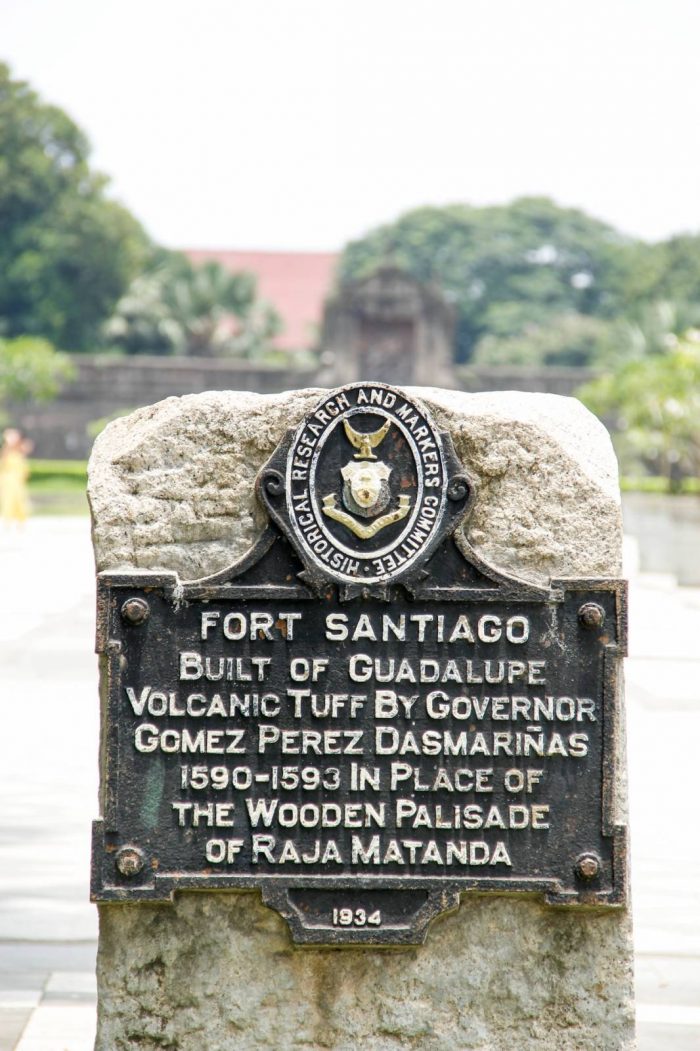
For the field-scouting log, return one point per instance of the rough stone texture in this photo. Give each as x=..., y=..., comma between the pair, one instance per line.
x=171, y=487
x=218, y=972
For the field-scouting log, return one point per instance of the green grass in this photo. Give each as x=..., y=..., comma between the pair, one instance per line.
x=65, y=470
x=656, y=484
x=57, y=487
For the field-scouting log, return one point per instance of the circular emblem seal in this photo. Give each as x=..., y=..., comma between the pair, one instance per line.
x=366, y=484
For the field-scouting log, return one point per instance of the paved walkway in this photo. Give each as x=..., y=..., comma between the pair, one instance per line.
x=663, y=693
x=48, y=793
x=48, y=787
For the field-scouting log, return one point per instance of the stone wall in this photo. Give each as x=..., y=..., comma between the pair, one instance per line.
x=564, y=381
x=104, y=386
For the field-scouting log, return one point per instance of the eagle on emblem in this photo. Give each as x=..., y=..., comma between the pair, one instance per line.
x=366, y=442
x=366, y=486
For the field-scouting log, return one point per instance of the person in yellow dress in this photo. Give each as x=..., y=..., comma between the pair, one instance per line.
x=14, y=471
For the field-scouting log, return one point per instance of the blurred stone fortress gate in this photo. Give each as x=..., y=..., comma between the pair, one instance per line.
x=389, y=327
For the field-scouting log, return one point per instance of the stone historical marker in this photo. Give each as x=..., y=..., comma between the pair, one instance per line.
x=361, y=718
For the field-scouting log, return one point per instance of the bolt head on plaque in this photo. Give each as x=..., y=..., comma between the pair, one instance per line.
x=591, y=615
x=135, y=610
x=366, y=487
x=587, y=866
x=129, y=861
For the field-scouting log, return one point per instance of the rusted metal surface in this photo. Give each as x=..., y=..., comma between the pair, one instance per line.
x=135, y=610
x=591, y=615
x=588, y=866
x=129, y=861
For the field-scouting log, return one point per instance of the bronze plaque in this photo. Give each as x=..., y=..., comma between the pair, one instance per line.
x=360, y=717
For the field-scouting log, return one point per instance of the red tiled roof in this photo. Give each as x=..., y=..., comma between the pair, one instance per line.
x=296, y=283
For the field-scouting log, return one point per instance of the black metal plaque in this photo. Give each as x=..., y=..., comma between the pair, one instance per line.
x=360, y=718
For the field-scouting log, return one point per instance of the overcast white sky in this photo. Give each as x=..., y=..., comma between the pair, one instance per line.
x=301, y=123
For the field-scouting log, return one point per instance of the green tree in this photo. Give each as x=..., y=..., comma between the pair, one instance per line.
x=654, y=406
x=564, y=340
x=654, y=327
x=143, y=320
x=31, y=370
x=666, y=271
x=529, y=260
x=204, y=311
x=579, y=339
x=67, y=251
